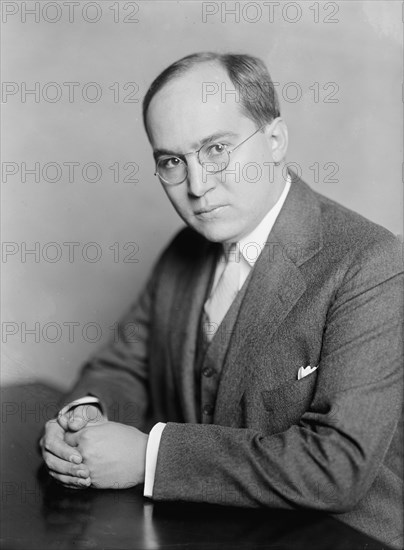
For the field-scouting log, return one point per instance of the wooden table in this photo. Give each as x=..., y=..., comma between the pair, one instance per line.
x=37, y=513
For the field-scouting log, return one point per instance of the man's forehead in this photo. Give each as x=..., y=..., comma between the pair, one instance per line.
x=183, y=105
x=195, y=81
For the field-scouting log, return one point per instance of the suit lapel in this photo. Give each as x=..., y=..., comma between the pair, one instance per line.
x=275, y=285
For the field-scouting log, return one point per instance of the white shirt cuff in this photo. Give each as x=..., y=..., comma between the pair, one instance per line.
x=86, y=400
x=152, y=449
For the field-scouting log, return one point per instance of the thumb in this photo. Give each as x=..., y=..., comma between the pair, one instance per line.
x=76, y=422
x=72, y=439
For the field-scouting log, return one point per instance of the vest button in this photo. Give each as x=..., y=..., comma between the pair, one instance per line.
x=208, y=372
x=208, y=410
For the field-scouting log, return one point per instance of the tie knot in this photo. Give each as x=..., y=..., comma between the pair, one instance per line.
x=231, y=253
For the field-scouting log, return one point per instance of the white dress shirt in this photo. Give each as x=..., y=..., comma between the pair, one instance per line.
x=249, y=249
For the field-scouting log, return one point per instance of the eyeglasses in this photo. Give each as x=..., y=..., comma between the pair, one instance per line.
x=214, y=157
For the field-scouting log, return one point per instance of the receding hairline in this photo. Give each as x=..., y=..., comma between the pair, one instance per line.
x=231, y=65
x=214, y=63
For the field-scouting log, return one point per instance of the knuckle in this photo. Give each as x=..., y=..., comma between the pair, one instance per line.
x=72, y=470
x=50, y=423
x=62, y=419
x=50, y=444
x=49, y=461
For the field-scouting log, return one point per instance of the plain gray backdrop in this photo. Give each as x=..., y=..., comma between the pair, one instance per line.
x=338, y=66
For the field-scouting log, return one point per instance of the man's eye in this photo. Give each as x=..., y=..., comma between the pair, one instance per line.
x=170, y=163
x=215, y=149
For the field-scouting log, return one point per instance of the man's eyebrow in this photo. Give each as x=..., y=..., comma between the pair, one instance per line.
x=159, y=152
x=212, y=137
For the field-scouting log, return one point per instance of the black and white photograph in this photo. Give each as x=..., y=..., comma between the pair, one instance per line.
x=202, y=275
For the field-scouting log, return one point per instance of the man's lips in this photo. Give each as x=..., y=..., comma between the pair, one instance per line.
x=208, y=209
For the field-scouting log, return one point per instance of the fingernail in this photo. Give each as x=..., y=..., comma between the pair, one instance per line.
x=84, y=482
x=82, y=473
x=76, y=459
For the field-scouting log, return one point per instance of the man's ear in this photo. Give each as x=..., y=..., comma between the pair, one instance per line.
x=277, y=136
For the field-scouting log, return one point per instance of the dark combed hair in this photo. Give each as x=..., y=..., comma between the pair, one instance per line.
x=249, y=75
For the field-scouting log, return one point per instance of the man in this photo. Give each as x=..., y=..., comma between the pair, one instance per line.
x=265, y=351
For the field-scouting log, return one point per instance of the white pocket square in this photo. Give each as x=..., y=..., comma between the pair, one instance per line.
x=304, y=371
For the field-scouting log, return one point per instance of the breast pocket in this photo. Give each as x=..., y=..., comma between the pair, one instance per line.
x=287, y=403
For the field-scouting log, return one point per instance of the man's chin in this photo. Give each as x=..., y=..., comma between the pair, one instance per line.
x=214, y=232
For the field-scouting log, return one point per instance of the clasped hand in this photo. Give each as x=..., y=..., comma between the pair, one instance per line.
x=82, y=448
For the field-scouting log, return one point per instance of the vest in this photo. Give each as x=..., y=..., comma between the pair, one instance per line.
x=210, y=356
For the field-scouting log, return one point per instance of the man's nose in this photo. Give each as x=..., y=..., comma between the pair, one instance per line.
x=199, y=181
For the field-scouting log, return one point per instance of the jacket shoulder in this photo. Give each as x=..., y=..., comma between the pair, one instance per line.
x=342, y=224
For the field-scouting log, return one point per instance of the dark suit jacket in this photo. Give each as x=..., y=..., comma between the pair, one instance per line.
x=327, y=291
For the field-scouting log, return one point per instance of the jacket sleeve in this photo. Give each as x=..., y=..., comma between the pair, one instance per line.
x=118, y=373
x=327, y=460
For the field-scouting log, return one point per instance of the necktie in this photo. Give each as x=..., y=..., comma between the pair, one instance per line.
x=223, y=294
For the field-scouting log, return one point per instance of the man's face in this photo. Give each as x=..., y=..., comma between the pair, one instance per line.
x=224, y=206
